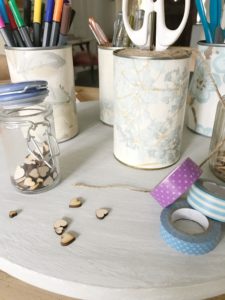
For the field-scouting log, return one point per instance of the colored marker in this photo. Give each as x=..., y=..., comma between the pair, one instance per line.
x=4, y=13
x=15, y=32
x=37, y=23
x=56, y=22
x=73, y=13
x=7, y=39
x=65, y=24
x=20, y=23
x=48, y=23
x=27, y=12
x=5, y=19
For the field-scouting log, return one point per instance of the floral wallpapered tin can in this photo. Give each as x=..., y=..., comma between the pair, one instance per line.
x=55, y=65
x=150, y=100
x=203, y=98
x=106, y=86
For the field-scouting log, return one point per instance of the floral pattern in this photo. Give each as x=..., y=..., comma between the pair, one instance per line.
x=202, y=92
x=149, y=110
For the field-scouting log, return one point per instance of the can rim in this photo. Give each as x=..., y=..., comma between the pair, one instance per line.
x=204, y=43
x=37, y=48
x=187, y=54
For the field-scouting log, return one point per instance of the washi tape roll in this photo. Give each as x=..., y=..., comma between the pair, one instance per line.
x=192, y=244
x=176, y=183
x=208, y=197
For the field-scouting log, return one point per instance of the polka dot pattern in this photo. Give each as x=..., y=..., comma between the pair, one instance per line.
x=188, y=244
x=176, y=183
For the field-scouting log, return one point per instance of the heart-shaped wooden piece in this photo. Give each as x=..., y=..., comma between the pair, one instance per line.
x=101, y=213
x=60, y=223
x=75, y=202
x=67, y=238
x=59, y=230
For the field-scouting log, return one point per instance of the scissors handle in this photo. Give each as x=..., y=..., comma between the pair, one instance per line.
x=164, y=36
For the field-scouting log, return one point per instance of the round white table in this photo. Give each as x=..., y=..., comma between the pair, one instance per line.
x=118, y=258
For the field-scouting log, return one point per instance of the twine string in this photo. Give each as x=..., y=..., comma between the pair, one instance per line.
x=217, y=148
x=109, y=186
x=221, y=99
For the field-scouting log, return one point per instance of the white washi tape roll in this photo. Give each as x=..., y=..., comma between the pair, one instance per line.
x=182, y=241
x=208, y=197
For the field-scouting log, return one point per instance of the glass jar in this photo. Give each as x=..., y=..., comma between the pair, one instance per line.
x=28, y=136
x=217, y=146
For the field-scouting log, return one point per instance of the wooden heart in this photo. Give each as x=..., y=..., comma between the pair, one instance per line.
x=101, y=213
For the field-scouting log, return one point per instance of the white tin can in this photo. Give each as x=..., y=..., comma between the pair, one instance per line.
x=150, y=99
x=106, y=85
x=203, y=98
x=55, y=65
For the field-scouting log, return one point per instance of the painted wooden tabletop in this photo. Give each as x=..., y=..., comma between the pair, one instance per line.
x=120, y=257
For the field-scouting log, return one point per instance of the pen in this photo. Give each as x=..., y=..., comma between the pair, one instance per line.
x=37, y=23
x=65, y=23
x=20, y=23
x=27, y=12
x=4, y=13
x=98, y=32
x=48, y=23
x=94, y=33
x=5, y=19
x=73, y=13
x=42, y=14
x=56, y=22
x=7, y=39
x=15, y=32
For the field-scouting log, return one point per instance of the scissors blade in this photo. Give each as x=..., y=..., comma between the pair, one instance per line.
x=205, y=24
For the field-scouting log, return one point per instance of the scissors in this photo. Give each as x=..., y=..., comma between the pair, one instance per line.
x=215, y=12
x=164, y=36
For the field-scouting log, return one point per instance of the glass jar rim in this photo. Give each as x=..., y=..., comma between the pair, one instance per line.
x=8, y=115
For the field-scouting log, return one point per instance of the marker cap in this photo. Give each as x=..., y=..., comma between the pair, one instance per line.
x=58, y=10
x=2, y=24
x=65, y=22
x=19, y=20
x=11, y=18
x=3, y=12
x=49, y=10
x=37, y=11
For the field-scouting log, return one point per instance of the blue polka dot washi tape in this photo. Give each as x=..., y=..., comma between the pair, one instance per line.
x=176, y=183
x=191, y=244
x=208, y=197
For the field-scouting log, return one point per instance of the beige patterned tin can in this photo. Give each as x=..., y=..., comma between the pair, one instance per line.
x=106, y=85
x=150, y=99
x=203, y=97
x=55, y=65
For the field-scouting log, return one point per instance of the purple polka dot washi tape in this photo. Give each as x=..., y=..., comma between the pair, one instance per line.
x=176, y=183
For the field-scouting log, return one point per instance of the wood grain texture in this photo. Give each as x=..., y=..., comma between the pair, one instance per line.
x=87, y=93
x=4, y=72
x=14, y=289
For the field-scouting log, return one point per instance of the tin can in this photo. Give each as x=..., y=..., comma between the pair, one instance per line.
x=150, y=98
x=54, y=65
x=203, y=97
x=106, y=85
